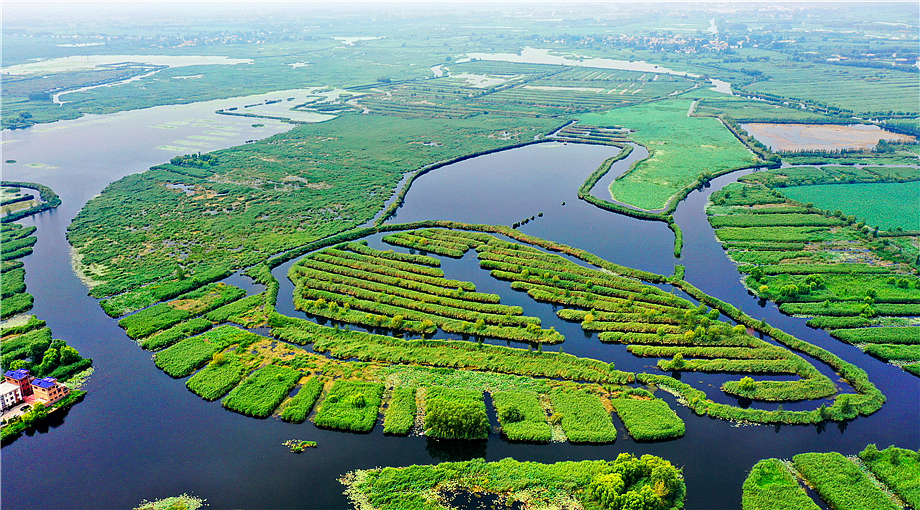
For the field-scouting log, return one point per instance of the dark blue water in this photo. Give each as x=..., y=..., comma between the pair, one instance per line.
x=142, y=435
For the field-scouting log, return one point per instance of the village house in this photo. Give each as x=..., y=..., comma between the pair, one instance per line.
x=49, y=390
x=10, y=395
x=21, y=378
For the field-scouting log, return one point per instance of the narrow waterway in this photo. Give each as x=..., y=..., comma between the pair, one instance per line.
x=142, y=435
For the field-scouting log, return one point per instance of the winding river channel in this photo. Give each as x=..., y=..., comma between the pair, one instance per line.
x=141, y=435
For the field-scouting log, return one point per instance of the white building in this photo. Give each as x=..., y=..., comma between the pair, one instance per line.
x=9, y=395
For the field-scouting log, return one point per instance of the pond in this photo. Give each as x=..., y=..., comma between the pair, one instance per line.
x=141, y=435
x=824, y=137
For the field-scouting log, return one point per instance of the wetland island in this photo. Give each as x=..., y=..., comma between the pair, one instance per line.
x=600, y=256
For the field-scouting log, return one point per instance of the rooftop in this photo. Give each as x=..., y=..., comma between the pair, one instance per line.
x=6, y=387
x=45, y=382
x=17, y=375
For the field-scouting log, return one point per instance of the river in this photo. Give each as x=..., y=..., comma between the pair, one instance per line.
x=141, y=435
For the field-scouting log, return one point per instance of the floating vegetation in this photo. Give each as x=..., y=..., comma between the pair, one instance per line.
x=299, y=445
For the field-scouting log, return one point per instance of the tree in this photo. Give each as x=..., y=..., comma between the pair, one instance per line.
x=678, y=361
x=746, y=384
x=456, y=420
x=511, y=414
x=69, y=355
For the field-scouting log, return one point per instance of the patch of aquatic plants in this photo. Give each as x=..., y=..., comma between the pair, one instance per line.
x=455, y=413
x=771, y=486
x=521, y=416
x=127, y=302
x=164, y=315
x=401, y=410
x=221, y=375
x=840, y=482
x=350, y=405
x=300, y=405
x=648, y=419
x=176, y=333
x=628, y=482
x=50, y=200
x=249, y=207
x=820, y=278
x=583, y=417
x=183, y=358
x=898, y=468
x=260, y=393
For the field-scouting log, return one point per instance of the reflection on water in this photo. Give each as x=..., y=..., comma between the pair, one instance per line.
x=469, y=500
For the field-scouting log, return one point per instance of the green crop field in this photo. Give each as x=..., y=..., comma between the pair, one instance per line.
x=883, y=205
x=682, y=148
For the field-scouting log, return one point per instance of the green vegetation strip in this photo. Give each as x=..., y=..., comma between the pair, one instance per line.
x=401, y=410
x=840, y=482
x=880, y=335
x=302, y=403
x=627, y=482
x=771, y=486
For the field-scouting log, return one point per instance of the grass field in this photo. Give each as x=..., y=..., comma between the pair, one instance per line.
x=885, y=205
x=682, y=149
x=258, y=199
